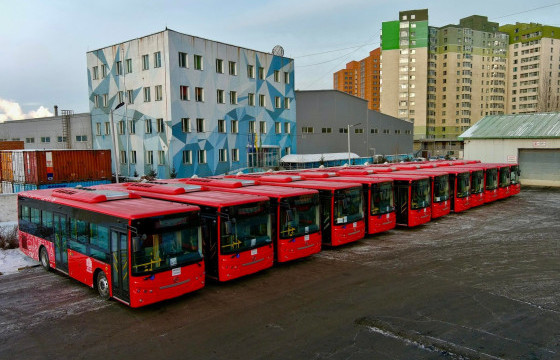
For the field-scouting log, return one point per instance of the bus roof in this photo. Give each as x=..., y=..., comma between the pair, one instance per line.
x=358, y=179
x=278, y=192
x=127, y=208
x=211, y=198
x=315, y=184
x=450, y=169
x=422, y=172
x=396, y=176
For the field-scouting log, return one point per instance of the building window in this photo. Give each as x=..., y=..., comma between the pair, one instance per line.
x=234, y=126
x=307, y=130
x=199, y=94
x=222, y=155
x=121, y=127
x=262, y=127
x=148, y=126
x=61, y=139
x=262, y=100
x=278, y=127
x=277, y=102
x=287, y=128
x=95, y=73
x=103, y=71
x=105, y=100
x=159, y=125
x=161, y=157
x=252, y=127
x=251, y=71
x=234, y=155
x=343, y=130
x=45, y=139
x=186, y=125
x=133, y=157
x=221, y=126
x=146, y=94
x=185, y=94
x=326, y=130
x=200, y=125
x=198, y=62
x=159, y=92
x=286, y=103
x=107, y=128
x=287, y=77
x=233, y=97
x=219, y=66
x=123, y=157
x=276, y=76
x=220, y=96
x=98, y=128
x=232, y=68
x=287, y=150
x=31, y=140
x=120, y=96
x=145, y=62
x=96, y=101
x=374, y=131
x=149, y=157
x=187, y=157
x=183, y=60
x=251, y=99
x=358, y=131
x=128, y=63
x=261, y=73
x=130, y=96
x=157, y=59
x=131, y=127
x=202, y=156
x=118, y=68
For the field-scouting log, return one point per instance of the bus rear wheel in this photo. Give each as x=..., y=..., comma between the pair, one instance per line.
x=103, y=285
x=44, y=259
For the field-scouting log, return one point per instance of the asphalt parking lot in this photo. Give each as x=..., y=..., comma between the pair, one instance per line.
x=484, y=284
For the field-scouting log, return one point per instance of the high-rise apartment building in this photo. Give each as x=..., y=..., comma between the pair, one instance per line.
x=533, y=68
x=362, y=78
x=191, y=105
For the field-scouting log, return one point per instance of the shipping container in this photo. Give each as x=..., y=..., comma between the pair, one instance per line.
x=12, y=145
x=7, y=167
x=7, y=187
x=17, y=167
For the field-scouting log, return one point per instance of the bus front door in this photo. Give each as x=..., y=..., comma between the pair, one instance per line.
x=119, y=268
x=402, y=204
x=60, y=242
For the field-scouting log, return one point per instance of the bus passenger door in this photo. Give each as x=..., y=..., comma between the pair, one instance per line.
x=60, y=242
x=326, y=210
x=119, y=266
x=402, y=204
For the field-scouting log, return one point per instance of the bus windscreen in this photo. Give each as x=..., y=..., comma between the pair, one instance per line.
x=382, y=200
x=348, y=206
x=244, y=227
x=420, y=194
x=299, y=216
x=441, y=188
x=463, y=185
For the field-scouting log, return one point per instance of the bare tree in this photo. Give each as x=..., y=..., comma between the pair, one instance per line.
x=548, y=96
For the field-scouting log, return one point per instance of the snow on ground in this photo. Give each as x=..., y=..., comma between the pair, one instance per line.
x=13, y=259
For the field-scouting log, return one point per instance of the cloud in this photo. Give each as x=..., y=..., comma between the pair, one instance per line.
x=10, y=110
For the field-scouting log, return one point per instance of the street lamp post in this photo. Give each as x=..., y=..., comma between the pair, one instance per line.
x=348, y=131
x=116, y=157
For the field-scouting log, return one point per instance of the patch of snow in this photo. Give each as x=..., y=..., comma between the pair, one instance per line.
x=11, y=260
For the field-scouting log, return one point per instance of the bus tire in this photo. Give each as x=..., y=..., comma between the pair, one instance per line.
x=102, y=285
x=44, y=258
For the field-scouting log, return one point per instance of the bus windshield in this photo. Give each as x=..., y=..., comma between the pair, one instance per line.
x=514, y=176
x=165, y=242
x=382, y=201
x=477, y=185
x=299, y=215
x=420, y=194
x=348, y=205
x=504, y=177
x=491, y=179
x=441, y=188
x=463, y=184
x=244, y=227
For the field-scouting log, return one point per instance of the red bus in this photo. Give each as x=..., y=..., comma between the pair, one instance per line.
x=476, y=197
x=490, y=172
x=296, y=229
x=459, y=186
x=137, y=251
x=379, y=201
x=441, y=205
x=515, y=184
x=412, y=198
x=341, y=206
x=504, y=181
x=236, y=228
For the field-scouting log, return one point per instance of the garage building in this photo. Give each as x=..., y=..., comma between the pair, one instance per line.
x=532, y=140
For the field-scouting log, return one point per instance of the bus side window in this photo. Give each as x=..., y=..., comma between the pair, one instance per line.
x=35, y=221
x=25, y=219
x=76, y=241
x=46, y=229
x=99, y=241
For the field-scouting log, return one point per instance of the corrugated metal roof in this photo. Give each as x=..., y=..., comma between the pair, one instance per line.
x=519, y=126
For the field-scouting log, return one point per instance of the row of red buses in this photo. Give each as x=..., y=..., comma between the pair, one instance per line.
x=236, y=228
x=439, y=190
x=459, y=187
x=149, y=252
x=295, y=214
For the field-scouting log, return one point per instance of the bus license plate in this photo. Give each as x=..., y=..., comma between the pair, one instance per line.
x=254, y=252
x=176, y=271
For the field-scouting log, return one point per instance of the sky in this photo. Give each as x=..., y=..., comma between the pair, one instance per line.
x=43, y=44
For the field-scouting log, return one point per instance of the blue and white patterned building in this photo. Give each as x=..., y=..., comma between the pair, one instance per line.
x=194, y=105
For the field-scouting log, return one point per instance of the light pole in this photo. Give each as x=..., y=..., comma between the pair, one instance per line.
x=116, y=157
x=348, y=131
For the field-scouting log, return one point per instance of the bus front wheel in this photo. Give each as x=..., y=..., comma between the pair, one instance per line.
x=103, y=285
x=44, y=258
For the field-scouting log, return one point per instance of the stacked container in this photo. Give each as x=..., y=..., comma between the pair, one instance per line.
x=42, y=169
